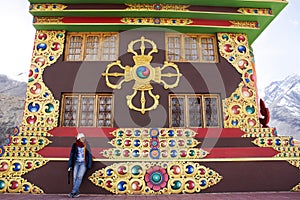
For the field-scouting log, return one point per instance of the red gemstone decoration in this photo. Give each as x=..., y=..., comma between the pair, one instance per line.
x=135, y=186
x=14, y=185
x=126, y=153
x=3, y=166
x=33, y=141
x=31, y=120
x=176, y=169
x=108, y=184
x=122, y=170
x=202, y=171
x=145, y=153
x=241, y=38
x=128, y=133
x=145, y=143
x=227, y=48
x=164, y=153
x=42, y=36
x=55, y=46
x=127, y=143
x=242, y=64
x=191, y=185
x=235, y=109
x=181, y=142
x=163, y=143
x=269, y=142
x=183, y=153
x=29, y=165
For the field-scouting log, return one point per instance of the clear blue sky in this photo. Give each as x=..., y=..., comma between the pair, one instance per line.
x=276, y=50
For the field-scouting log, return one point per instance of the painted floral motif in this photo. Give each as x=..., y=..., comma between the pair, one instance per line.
x=156, y=178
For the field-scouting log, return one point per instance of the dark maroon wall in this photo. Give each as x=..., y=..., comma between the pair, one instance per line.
x=86, y=77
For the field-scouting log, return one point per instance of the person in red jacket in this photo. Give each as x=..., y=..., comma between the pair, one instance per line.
x=80, y=160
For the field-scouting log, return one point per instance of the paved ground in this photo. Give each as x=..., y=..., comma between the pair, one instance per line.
x=218, y=196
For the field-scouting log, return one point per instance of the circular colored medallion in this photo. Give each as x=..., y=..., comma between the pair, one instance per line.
x=143, y=72
x=2, y=185
x=156, y=178
x=121, y=186
x=176, y=185
x=136, y=170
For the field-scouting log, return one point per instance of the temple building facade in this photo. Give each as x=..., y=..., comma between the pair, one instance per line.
x=164, y=91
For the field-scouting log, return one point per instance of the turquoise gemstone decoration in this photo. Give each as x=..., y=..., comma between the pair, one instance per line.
x=250, y=109
x=177, y=185
x=235, y=96
x=49, y=108
x=119, y=142
x=225, y=37
x=136, y=170
x=156, y=177
x=187, y=133
x=120, y=133
x=41, y=141
x=59, y=35
x=2, y=184
x=117, y=152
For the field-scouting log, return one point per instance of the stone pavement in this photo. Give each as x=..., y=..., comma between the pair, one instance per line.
x=202, y=196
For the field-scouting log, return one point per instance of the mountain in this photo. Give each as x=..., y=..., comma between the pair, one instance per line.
x=12, y=97
x=283, y=100
x=12, y=87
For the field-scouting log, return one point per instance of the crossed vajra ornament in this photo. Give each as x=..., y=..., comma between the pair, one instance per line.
x=143, y=74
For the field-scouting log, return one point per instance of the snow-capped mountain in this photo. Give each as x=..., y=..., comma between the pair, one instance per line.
x=12, y=87
x=283, y=100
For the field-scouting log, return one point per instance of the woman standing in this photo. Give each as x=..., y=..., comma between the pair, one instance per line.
x=80, y=160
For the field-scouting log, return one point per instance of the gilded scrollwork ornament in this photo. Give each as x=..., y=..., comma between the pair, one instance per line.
x=155, y=178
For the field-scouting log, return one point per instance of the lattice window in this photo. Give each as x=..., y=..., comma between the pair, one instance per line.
x=104, y=116
x=92, y=50
x=195, y=110
x=80, y=110
x=191, y=48
x=75, y=48
x=109, y=47
x=208, y=49
x=174, y=48
x=91, y=46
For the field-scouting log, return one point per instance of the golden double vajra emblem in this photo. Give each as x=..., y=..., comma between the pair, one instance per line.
x=143, y=74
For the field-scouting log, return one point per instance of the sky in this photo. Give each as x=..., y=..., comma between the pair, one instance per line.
x=276, y=50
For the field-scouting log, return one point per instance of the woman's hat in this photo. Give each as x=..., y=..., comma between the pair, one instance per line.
x=80, y=135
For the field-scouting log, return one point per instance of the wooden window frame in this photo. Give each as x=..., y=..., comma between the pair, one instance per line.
x=199, y=47
x=85, y=35
x=203, y=109
x=95, y=111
